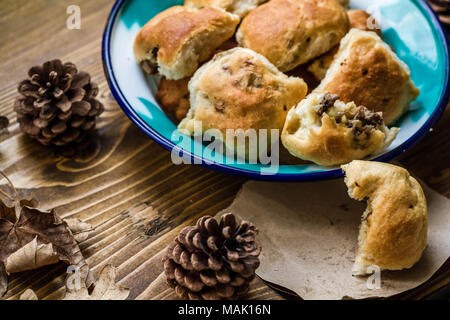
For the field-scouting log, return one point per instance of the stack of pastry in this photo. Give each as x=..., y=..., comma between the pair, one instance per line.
x=249, y=64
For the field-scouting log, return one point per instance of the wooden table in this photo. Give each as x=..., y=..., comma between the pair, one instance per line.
x=131, y=192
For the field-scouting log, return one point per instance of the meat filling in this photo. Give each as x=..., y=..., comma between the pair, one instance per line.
x=326, y=102
x=360, y=119
x=149, y=67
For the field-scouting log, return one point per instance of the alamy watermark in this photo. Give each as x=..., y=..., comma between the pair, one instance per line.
x=374, y=280
x=375, y=19
x=73, y=281
x=74, y=19
x=236, y=147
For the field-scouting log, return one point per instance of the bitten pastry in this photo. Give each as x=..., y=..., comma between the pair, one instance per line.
x=358, y=19
x=238, y=7
x=329, y=132
x=178, y=39
x=293, y=32
x=367, y=72
x=394, y=227
x=240, y=89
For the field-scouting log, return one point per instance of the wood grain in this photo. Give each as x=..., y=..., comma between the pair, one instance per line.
x=134, y=196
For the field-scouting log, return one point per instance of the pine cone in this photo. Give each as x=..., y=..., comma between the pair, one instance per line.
x=213, y=260
x=57, y=105
x=442, y=8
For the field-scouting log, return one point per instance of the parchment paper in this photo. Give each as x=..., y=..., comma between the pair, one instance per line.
x=309, y=234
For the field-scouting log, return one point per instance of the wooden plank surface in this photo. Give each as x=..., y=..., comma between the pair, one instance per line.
x=130, y=191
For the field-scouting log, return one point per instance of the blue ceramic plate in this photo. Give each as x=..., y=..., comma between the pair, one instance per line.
x=409, y=26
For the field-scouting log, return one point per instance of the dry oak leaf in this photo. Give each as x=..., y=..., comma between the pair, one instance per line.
x=80, y=229
x=31, y=238
x=105, y=288
x=37, y=239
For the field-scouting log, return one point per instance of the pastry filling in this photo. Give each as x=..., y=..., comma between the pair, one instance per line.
x=360, y=119
x=325, y=103
x=147, y=64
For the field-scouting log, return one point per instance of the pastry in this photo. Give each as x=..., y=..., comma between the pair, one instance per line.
x=238, y=7
x=177, y=40
x=241, y=90
x=286, y=158
x=173, y=95
x=329, y=132
x=293, y=32
x=361, y=20
x=358, y=19
x=394, y=227
x=320, y=65
x=367, y=72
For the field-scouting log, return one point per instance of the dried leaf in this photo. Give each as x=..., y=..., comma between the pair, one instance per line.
x=105, y=288
x=31, y=238
x=28, y=295
x=31, y=256
x=7, y=212
x=80, y=229
x=3, y=279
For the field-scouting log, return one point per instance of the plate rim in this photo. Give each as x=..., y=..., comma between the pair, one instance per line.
x=309, y=176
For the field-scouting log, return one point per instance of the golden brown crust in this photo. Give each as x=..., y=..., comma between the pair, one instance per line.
x=358, y=19
x=147, y=38
x=173, y=96
x=292, y=32
x=393, y=234
x=238, y=7
x=240, y=89
x=369, y=73
x=329, y=138
x=167, y=38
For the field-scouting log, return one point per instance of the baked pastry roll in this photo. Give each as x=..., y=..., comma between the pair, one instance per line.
x=367, y=72
x=293, y=32
x=394, y=228
x=359, y=19
x=173, y=95
x=238, y=7
x=329, y=132
x=240, y=89
x=178, y=39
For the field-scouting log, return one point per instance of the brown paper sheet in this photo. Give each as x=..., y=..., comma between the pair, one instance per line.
x=309, y=234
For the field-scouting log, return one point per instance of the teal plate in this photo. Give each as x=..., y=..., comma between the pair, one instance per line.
x=409, y=26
